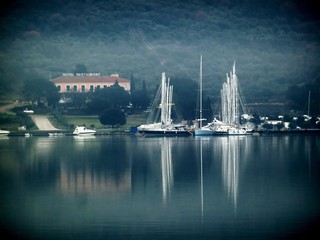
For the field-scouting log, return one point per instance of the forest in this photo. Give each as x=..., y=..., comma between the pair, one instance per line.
x=275, y=43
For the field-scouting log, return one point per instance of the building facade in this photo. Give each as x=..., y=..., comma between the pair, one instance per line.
x=88, y=82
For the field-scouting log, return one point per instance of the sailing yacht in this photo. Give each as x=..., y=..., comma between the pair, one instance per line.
x=165, y=127
x=230, y=107
x=207, y=129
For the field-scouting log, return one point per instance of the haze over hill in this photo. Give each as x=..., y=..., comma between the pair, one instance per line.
x=274, y=43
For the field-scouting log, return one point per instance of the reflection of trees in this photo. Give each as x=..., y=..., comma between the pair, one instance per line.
x=97, y=166
x=230, y=167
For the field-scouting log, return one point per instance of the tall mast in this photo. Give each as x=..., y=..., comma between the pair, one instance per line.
x=163, y=99
x=200, y=91
x=309, y=104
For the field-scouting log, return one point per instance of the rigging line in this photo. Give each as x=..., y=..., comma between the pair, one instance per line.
x=154, y=111
x=242, y=100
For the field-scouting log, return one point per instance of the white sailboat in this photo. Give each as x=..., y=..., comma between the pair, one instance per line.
x=230, y=110
x=207, y=129
x=165, y=126
x=230, y=107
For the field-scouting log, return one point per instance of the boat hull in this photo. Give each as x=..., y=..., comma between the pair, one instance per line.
x=4, y=133
x=155, y=133
x=203, y=132
x=83, y=131
x=208, y=132
x=85, y=134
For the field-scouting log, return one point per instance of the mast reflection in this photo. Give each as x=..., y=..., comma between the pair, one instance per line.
x=166, y=168
x=230, y=167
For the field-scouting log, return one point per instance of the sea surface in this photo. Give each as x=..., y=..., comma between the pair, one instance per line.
x=128, y=187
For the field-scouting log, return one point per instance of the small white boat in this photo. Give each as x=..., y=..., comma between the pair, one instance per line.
x=4, y=132
x=81, y=130
x=28, y=111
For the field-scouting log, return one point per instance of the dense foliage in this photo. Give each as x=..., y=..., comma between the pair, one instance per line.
x=40, y=90
x=112, y=116
x=113, y=97
x=275, y=43
x=7, y=121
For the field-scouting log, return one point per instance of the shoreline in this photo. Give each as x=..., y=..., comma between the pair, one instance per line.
x=101, y=132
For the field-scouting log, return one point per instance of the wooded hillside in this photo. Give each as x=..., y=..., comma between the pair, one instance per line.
x=275, y=43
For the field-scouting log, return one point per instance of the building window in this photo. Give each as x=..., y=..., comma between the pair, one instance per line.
x=59, y=88
x=68, y=88
x=91, y=88
x=83, y=88
x=105, y=86
x=97, y=87
x=75, y=88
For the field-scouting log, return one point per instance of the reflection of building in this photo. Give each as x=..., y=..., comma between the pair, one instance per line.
x=88, y=82
x=86, y=180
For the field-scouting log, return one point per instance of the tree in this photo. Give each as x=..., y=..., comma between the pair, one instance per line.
x=117, y=96
x=145, y=99
x=112, y=116
x=132, y=84
x=80, y=68
x=185, y=96
x=111, y=97
x=38, y=90
x=140, y=98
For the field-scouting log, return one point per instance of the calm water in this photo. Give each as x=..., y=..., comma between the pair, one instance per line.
x=127, y=187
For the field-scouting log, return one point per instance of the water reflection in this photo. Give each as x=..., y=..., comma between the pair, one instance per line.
x=166, y=168
x=86, y=180
x=125, y=186
x=96, y=167
x=201, y=176
x=230, y=167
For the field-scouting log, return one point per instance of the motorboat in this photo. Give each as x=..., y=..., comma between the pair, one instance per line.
x=82, y=130
x=4, y=132
x=28, y=111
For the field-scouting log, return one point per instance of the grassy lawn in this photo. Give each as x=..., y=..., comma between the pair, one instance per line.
x=93, y=121
x=88, y=121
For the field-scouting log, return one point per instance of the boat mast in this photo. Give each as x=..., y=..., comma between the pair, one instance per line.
x=309, y=104
x=230, y=98
x=169, y=102
x=235, y=110
x=163, y=99
x=200, y=91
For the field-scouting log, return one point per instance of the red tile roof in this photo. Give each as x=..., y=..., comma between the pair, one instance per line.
x=83, y=79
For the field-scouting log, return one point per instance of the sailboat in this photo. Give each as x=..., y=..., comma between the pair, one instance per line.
x=165, y=127
x=230, y=107
x=202, y=130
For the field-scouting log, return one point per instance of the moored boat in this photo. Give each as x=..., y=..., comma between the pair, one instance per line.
x=82, y=130
x=165, y=127
x=174, y=130
x=230, y=111
x=4, y=132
